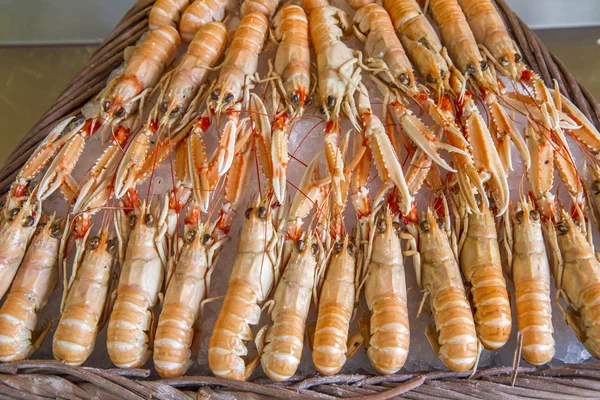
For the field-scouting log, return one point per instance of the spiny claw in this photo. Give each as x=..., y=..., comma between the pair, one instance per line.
x=565, y=163
x=586, y=133
x=504, y=126
x=422, y=135
x=134, y=159
x=360, y=178
x=385, y=157
x=335, y=161
x=312, y=190
x=198, y=164
x=485, y=155
x=441, y=114
x=227, y=142
x=98, y=185
x=235, y=187
x=46, y=150
x=64, y=162
x=542, y=169
x=261, y=132
x=279, y=156
x=543, y=99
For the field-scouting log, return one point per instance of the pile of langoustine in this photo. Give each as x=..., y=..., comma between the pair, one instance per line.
x=284, y=260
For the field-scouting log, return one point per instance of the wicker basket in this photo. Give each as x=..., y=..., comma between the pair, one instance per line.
x=51, y=379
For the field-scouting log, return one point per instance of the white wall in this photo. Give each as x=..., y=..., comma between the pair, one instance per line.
x=59, y=21
x=557, y=13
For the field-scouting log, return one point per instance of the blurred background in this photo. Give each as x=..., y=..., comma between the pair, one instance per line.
x=43, y=43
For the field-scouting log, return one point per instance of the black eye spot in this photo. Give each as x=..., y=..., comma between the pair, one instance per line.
x=351, y=249
x=300, y=246
x=107, y=105
x=441, y=223
x=484, y=65
x=190, y=235
x=215, y=94
x=518, y=57
x=132, y=220
x=295, y=99
x=228, y=98
x=381, y=225
x=149, y=219
x=315, y=249
x=431, y=79
x=596, y=186
x=14, y=212
x=404, y=79
x=120, y=111
x=337, y=247
x=176, y=110
x=262, y=212
x=94, y=242
x=396, y=226
x=206, y=238
x=330, y=101
x=55, y=230
x=110, y=245
x=248, y=213
x=519, y=216
x=164, y=107
x=504, y=61
x=425, y=226
x=534, y=215
x=470, y=69
x=28, y=221
x=562, y=228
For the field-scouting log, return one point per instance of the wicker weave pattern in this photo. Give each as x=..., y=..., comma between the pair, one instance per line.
x=50, y=379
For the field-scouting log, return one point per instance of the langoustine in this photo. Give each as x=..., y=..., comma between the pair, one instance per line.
x=530, y=270
x=291, y=66
x=290, y=77
x=576, y=271
x=338, y=72
x=85, y=298
x=453, y=337
x=338, y=278
x=18, y=228
x=231, y=90
x=254, y=270
x=480, y=262
x=132, y=322
x=29, y=293
x=385, y=292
